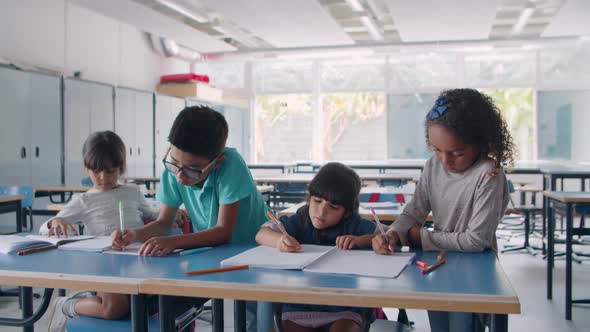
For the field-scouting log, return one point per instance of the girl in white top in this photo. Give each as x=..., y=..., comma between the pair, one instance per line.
x=463, y=185
x=98, y=210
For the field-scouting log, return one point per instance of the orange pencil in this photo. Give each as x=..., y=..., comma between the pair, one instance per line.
x=215, y=270
x=277, y=223
x=34, y=250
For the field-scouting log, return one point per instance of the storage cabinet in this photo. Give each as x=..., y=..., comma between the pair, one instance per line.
x=134, y=122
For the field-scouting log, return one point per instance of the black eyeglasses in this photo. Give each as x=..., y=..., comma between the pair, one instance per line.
x=189, y=172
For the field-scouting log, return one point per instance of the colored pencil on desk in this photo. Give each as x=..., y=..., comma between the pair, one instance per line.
x=277, y=223
x=193, y=251
x=34, y=250
x=215, y=270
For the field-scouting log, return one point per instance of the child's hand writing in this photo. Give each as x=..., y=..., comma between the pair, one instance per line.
x=158, y=246
x=346, y=242
x=121, y=240
x=59, y=227
x=384, y=245
x=287, y=243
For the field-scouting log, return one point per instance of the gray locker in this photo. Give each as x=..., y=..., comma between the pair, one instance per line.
x=134, y=122
x=88, y=107
x=166, y=109
x=30, y=153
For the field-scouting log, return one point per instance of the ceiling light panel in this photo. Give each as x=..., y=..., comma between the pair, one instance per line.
x=148, y=20
x=283, y=23
x=435, y=20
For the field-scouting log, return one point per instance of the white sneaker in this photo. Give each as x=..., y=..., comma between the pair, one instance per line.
x=57, y=318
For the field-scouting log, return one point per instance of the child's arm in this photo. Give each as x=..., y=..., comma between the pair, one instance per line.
x=346, y=242
x=163, y=245
x=158, y=227
x=61, y=224
x=266, y=236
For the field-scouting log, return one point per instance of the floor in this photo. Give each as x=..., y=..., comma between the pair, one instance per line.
x=526, y=272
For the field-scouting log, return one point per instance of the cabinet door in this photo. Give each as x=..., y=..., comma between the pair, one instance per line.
x=14, y=128
x=144, y=134
x=125, y=125
x=76, y=129
x=166, y=109
x=46, y=145
x=102, y=115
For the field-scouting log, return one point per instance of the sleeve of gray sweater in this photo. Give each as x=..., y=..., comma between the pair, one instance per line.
x=73, y=212
x=489, y=204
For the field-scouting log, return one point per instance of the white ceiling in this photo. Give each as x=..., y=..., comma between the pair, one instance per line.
x=435, y=20
x=247, y=25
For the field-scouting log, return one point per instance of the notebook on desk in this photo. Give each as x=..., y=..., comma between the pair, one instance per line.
x=14, y=243
x=324, y=259
x=103, y=244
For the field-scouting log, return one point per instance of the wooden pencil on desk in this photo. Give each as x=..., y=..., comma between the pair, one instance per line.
x=34, y=250
x=215, y=270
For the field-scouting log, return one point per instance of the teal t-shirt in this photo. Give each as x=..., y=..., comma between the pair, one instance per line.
x=227, y=184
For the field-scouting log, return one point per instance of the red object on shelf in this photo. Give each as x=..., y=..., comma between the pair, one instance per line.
x=184, y=78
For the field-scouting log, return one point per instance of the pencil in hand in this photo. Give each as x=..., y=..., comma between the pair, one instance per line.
x=277, y=223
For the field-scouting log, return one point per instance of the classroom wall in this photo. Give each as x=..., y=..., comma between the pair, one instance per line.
x=62, y=36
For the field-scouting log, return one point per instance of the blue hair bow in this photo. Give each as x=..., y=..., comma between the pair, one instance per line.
x=441, y=106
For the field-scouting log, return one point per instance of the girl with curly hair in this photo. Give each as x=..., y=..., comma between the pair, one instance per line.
x=463, y=185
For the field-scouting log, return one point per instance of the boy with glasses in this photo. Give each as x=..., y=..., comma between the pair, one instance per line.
x=211, y=180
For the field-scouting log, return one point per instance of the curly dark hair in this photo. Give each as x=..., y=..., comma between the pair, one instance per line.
x=475, y=118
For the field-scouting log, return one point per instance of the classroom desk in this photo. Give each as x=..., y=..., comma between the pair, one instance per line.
x=284, y=168
x=564, y=202
x=468, y=282
x=389, y=214
x=381, y=165
x=13, y=203
x=147, y=181
x=62, y=191
x=306, y=178
x=76, y=270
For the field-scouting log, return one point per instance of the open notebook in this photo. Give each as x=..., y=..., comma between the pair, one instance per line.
x=103, y=244
x=324, y=259
x=13, y=243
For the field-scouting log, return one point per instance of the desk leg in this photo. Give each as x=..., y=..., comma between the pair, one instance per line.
x=217, y=313
x=26, y=295
x=239, y=316
x=568, y=261
x=138, y=313
x=19, y=216
x=499, y=323
x=550, y=233
x=166, y=313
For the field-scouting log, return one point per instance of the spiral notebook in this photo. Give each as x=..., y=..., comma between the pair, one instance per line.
x=13, y=243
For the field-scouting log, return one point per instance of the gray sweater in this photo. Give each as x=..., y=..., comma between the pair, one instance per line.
x=98, y=211
x=466, y=207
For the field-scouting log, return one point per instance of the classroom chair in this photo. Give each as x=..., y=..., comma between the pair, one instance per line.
x=27, y=203
x=526, y=214
x=86, y=182
x=380, y=324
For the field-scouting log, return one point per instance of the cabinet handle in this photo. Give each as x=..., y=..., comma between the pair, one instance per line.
x=23, y=152
x=130, y=151
x=138, y=151
x=37, y=151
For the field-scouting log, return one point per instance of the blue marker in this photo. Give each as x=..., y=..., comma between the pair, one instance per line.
x=193, y=251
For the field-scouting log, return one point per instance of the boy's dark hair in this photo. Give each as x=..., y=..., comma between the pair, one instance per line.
x=475, y=118
x=199, y=130
x=338, y=184
x=104, y=150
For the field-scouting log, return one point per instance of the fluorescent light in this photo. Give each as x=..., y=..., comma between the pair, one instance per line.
x=373, y=30
x=234, y=34
x=355, y=5
x=522, y=19
x=183, y=11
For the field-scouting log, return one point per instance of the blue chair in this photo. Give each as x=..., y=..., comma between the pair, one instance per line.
x=91, y=324
x=87, y=182
x=27, y=203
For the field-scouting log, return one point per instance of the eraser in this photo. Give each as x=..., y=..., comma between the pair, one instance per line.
x=405, y=249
